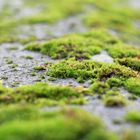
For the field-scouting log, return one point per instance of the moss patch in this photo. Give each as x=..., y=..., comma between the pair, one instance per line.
x=88, y=69
x=50, y=125
x=133, y=63
x=133, y=85
x=133, y=117
x=121, y=51
x=43, y=94
x=114, y=99
x=80, y=46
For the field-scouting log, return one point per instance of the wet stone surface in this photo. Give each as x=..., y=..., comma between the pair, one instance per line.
x=17, y=65
x=110, y=115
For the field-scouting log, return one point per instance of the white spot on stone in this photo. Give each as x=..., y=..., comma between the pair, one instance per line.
x=103, y=57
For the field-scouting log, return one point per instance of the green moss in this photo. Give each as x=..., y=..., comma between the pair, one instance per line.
x=99, y=87
x=133, y=63
x=28, y=57
x=88, y=69
x=73, y=69
x=39, y=68
x=115, y=82
x=133, y=85
x=54, y=125
x=80, y=46
x=111, y=18
x=133, y=117
x=43, y=94
x=121, y=51
x=117, y=19
x=114, y=99
x=115, y=70
x=9, y=61
x=3, y=89
x=62, y=94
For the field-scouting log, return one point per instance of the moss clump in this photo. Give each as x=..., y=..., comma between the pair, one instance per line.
x=47, y=91
x=133, y=85
x=110, y=96
x=51, y=125
x=5, y=94
x=43, y=94
x=115, y=82
x=115, y=70
x=80, y=46
x=99, y=87
x=133, y=117
x=74, y=69
x=114, y=99
x=39, y=68
x=88, y=69
x=133, y=63
x=3, y=89
x=121, y=51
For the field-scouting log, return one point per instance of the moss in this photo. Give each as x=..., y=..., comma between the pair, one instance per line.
x=17, y=112
x=47, y=125
x=9, y=61
x=133, y=117
x=114, y=99
x=44, y=91
x=88, y=69
x=133, y=85
x=121, y=51
x=80, y=46
x=39, y=68
x=43, y=94
x=3, y=89
x=133, y=63
x=117, y=19
x=99, y=87
x=73, y=69
x=28, y=57
x=115, y=70
x=110, y=18
x=132, y=97
x=115, y=82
